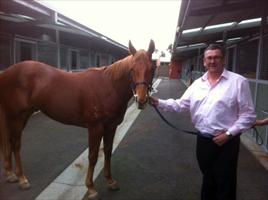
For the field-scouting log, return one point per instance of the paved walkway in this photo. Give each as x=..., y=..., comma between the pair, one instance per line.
x=155, y=162
x=152, y=162
x=48, y=147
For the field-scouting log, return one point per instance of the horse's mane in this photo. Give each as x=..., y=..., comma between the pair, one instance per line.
x=116, y=70
x=119, y=68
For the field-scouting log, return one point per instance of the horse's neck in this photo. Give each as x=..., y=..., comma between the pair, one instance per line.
x=123, y=89
x=119, y=74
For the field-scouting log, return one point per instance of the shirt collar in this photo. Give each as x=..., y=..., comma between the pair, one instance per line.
x=224, y=74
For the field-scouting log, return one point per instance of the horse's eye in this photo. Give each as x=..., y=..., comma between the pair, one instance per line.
x=131, y=72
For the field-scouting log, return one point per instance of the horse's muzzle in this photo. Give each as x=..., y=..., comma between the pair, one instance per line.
x=141, y=106
x=142, y=103
x=141, y=94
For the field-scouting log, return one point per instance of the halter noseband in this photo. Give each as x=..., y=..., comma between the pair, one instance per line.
x=133, y=86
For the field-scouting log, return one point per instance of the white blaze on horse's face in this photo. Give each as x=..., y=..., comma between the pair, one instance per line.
x=142, y=72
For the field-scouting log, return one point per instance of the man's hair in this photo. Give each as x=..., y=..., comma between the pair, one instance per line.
x=216, y=46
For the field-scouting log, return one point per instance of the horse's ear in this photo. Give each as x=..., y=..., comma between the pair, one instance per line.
x=132, y=49
x=151, y=47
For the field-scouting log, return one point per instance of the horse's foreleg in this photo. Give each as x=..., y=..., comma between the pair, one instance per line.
x=95, y=134
x=108, y=147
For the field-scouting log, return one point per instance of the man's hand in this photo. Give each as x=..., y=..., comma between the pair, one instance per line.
x=221, y=139
x=153, y=101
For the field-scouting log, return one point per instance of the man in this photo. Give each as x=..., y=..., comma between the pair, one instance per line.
x=221, y=108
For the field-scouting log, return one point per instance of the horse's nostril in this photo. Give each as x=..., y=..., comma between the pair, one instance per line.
x=141, y=105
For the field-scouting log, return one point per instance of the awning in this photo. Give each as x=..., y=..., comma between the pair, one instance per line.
x=206, y=21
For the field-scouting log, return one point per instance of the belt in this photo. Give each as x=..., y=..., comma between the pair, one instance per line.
x=205, y=135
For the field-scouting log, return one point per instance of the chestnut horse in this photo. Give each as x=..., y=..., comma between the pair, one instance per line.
x=95, y=99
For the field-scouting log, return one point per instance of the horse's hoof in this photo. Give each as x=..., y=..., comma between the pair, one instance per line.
x=12, y=178
x=24, y=184
x=93, y=196
x=113, y=186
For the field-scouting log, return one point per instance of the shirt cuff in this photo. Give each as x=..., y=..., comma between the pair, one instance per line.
x=161, y=103
x=234, y=131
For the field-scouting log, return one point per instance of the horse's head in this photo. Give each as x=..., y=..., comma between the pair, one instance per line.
x=142, y=70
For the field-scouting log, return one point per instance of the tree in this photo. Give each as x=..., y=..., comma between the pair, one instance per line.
x=170, y=47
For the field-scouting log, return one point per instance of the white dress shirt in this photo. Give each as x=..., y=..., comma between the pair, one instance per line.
x=224, y=106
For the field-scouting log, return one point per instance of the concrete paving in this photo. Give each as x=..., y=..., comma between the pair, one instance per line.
x=152, y=162
x=48, y=147
x=155, y=162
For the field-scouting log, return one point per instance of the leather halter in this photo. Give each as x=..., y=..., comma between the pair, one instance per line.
x=133, y=84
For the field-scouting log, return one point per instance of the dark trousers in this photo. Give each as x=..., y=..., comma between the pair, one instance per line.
x=218, y=165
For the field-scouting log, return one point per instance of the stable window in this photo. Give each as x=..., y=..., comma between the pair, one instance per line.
x=5, y=53
x=24, y=50
x=74, y=59
x=230, y=59
x=264, y=66
x=84, y=59
x=97, y=60
x=247, y=59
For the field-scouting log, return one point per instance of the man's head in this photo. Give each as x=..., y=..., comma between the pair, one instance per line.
x=214, y=58
x=216, y=46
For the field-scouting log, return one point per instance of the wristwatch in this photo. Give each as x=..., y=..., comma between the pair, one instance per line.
x=229, y=134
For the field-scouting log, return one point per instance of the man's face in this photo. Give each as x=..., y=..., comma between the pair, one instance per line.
x=214, y=61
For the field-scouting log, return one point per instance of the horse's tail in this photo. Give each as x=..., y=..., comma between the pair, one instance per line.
x=4, y=135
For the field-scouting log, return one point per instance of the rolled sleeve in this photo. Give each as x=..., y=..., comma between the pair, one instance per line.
x=169, y=105
x=246, y=112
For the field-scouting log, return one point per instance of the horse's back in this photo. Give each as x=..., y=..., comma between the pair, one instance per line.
x=57, y=93
x=21, y=74
x=71, y=98
x=18, y=82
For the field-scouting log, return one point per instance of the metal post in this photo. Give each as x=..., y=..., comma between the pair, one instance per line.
x=55, y=16
x=224, y=38
x=259, y=57
x=58, y=48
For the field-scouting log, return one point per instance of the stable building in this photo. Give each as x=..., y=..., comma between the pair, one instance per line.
x=32, y=31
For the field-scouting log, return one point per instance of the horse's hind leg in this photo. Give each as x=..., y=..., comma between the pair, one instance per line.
x=11, y=177
x=6, y=147
x=95, y=134
x=108, y=147
x=16, y=127
x=23, y=181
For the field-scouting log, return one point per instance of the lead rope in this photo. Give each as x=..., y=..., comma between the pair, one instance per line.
x=162, y=116
x=171, y=125
x=258, y=137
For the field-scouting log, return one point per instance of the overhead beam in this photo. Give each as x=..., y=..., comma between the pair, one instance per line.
x=226, y=7
x=32, y=5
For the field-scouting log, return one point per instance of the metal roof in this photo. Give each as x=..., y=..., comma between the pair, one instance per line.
x=24, y=13
x=204, y=21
